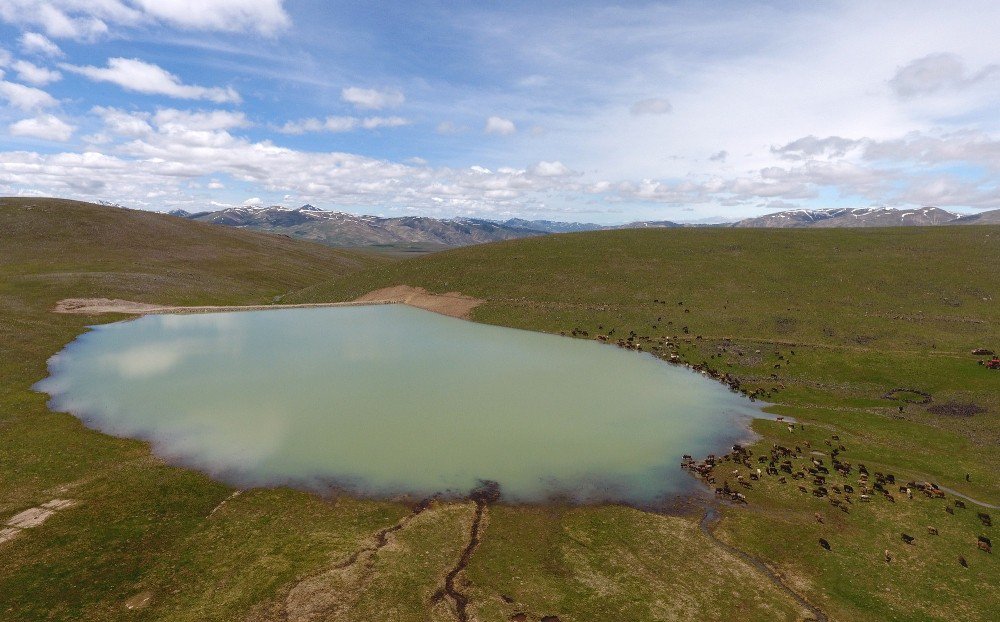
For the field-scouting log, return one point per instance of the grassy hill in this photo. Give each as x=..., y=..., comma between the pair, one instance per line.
x=823, y=323
x=864, y=311
x=135, y=513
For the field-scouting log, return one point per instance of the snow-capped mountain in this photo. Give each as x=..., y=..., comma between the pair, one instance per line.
x=852, y=217
x=342, y=229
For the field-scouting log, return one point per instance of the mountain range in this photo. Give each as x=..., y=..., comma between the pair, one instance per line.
x=350, y=230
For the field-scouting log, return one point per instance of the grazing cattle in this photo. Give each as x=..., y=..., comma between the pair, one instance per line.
x=803, y=489
x=985, y=519
x=986, y=540
x=949, y=510
x=962, y=562
x=959, y=504
x=984, y=547
x=888, y=557
x=849, y=489
x=865, y=498
x=907, y=538
x=819, y=518
x=823, y=543
x=931, y=531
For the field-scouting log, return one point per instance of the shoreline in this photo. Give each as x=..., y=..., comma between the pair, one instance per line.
x=452, y=304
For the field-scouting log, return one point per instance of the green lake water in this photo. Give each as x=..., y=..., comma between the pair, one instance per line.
x=388, y=399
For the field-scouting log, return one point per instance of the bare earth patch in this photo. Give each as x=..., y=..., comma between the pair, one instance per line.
x=32, y=517
x=452, y=303
x=94, y=306
x=139, y=601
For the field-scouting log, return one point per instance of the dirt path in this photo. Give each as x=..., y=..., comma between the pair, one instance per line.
x=968, y=498
x=452, y=304
x=710, y=517
x=486, y=494
x=327, y=595
x=95, y=306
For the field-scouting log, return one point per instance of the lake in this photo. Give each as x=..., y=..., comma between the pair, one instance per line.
x=389, y=399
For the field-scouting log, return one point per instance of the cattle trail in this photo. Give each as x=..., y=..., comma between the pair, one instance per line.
x=488, y=493
x=382, y=537
x=318, y=597
x=710, y=517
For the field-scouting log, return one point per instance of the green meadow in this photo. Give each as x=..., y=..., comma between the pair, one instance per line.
x=822, y=324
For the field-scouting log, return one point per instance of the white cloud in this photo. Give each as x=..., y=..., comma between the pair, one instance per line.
x=133, y=74
x=499, y=126
x=550, y=169
x=371, y=99
x=89, y=19
x=168, y=160
x=371, y=123
x=35, y=43
x=937, y=72
x=63, y=18
x=121, y=123
x=215, y=184
x=46, y=126
x=25, y=97
x=167, y=118
x=253, y=202
x=449, y=127
x=811, y=146
x=5, y=59
x=263, y=16
x=340, y=124
x=30, y=72
x=302, y=126
x=655, y=105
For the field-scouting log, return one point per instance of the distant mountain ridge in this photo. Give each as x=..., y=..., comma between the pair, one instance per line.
x=351, y=230
x=852, y=217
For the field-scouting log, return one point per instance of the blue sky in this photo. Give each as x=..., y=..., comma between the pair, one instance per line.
x=560, y=110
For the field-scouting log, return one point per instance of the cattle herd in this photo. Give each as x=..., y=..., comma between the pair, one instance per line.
x=799, y=465
x=839, y=482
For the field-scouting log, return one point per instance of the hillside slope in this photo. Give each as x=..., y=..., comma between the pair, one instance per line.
x=823, y=321
x=825, y=325
x=133, y=512
x=58, y=245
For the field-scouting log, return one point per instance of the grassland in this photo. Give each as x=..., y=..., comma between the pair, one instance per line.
x=825, y=322
x=864, y=311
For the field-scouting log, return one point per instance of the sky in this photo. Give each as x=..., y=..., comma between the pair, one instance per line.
x=580, y=111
